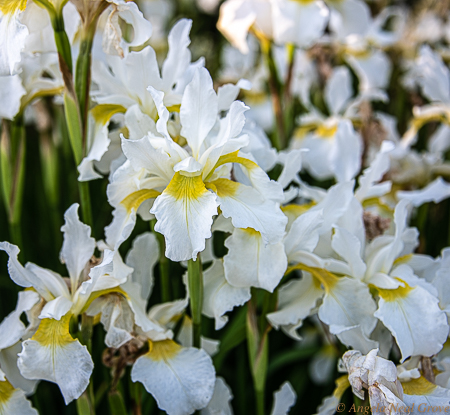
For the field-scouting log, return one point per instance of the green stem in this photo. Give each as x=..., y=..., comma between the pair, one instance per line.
x=61, y=39
x=83, y=81
x=85, y=198
x=87, y=325
x=195, y=282
x=164, y=265
x=279, y=138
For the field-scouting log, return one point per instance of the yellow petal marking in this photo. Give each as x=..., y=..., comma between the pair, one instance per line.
x=224, y=187
x=186, y=188
x=324, y=277
x=324, y=131
x=135, y=199
x=10, y=7
x=232, y=158
x=54, y=333
x=395, y=294
x=163, y=350
x=342, y=384
x=403, y=259
x=419, y=386
x=97, y=294
x=252, y=232
x=295, y=211
x=6, y=391
x=102, y=113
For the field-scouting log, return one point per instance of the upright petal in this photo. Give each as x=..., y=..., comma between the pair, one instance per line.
x=78, y=246
x=251, y=263
x=198, y=112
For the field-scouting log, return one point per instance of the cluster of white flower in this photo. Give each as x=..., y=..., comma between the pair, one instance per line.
x=315, y=220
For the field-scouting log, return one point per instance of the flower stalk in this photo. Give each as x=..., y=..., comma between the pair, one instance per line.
x=195, y=282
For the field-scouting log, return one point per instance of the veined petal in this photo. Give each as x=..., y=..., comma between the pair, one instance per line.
x=219, y=295
x=13, y=401
x=251, y=263
x=20, y=275
x=180, y=379
x=56, y=308
x=414, y=318
x=52, y=354
x=198, y=112
x=184, y=212
x=78, y=246
x=248, y=209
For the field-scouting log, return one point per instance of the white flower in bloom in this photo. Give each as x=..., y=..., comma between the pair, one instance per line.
x=189, y=183
x=12, y=400
x=51, y=353
x=122, y=89
x=283, y=21
x=331, y=138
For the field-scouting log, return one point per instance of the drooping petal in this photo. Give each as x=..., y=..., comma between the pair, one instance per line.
x=248, y=209
x=184, y=212
x=180, y=379
x=52, y=354
x=348, y=246
x=414, y=318
x=219, y=295
x=251, y=263
x=78, y=246
x=13, y=401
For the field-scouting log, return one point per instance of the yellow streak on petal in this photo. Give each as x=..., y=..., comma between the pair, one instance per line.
x=297, y=210
x=403, y=259
x=419, y=386
x=252, y=232
x=102, y=113
x=9, y=7
x=174, y=108
x=326, y=278
x=232, y=158
x=342, y=384
x=186, y=188
x=303, y=1
x=302, y=131
x=224, y=187
x=134, y=200
x=6, y=391
x=54, y=333
x=396, y=294
x=325, y=131
x=163, y=350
